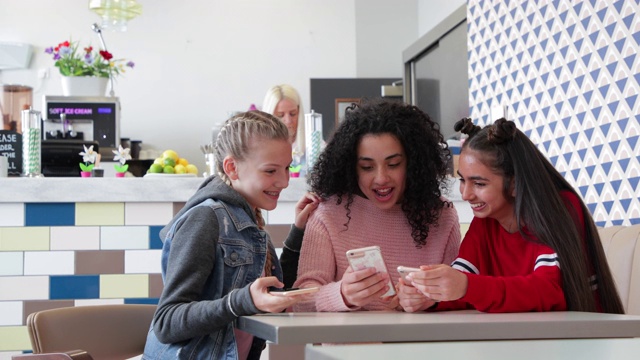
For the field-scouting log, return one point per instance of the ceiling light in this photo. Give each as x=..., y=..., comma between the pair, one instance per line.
x=115, y=13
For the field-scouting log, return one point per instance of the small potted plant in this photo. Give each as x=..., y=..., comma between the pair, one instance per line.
x=121, y=156
x=89, y=158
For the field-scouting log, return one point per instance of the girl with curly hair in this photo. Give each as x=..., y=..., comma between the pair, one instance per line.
x=381, y=176
x=532, y=244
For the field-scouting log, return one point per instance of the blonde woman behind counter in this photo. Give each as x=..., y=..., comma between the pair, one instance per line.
x=283, y=101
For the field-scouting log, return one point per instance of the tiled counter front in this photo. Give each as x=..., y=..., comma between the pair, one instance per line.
x=75, y=242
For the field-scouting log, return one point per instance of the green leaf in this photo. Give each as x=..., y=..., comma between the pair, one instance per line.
x=85, y=167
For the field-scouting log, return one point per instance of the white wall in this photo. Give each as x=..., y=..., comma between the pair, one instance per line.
x=431, y=12
x=197, y=60
x=384, y=29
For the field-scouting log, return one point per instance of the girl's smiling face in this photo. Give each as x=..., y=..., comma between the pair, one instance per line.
x=264, y=172
x=483, y=190
x=381, y=169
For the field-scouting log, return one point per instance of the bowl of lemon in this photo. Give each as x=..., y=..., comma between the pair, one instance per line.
x=170, y=163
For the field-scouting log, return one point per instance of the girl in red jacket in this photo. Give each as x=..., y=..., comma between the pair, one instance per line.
x=532, y=244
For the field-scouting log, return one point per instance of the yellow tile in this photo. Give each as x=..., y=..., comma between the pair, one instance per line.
x=463, y=229
x=124, y=286
x=99, y=214
x=24, y=238
x=14, y=338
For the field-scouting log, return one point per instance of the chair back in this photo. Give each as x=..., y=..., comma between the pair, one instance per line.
x=622, y=247
x=103, y=331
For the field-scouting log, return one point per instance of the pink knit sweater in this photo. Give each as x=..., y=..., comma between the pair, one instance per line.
x=323, y=258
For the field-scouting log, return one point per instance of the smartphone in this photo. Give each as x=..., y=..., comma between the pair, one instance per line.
x=370, y=257
x=405, y=270
x=292, y=291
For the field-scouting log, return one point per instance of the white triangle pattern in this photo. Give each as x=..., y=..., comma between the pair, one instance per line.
x=570, y=75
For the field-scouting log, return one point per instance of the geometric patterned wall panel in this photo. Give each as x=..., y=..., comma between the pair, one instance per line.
x=569, y=74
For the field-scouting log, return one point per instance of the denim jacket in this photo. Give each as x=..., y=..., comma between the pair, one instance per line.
x=239, y=260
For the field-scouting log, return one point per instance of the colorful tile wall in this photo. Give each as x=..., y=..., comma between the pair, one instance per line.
x=75, y=254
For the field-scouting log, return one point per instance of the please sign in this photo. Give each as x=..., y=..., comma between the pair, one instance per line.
x=11, y=147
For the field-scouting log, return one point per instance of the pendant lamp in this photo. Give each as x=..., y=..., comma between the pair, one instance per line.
x=115, y=13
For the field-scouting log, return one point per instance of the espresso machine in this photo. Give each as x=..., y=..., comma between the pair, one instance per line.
x=71, y=122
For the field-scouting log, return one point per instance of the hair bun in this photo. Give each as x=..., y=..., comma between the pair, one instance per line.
x=466, y=126
x=502, y=131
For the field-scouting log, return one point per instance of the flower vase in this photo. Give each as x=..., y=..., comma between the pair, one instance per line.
x=120, y=174
x=84, y=85
x=85, y=173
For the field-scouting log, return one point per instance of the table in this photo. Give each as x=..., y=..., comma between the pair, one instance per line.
x=288, y=332
x=565, y=349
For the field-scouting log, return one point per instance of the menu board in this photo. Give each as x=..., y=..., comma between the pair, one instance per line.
x=11, y=147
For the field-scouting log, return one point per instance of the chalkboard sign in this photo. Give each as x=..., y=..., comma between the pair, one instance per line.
x=11, y=147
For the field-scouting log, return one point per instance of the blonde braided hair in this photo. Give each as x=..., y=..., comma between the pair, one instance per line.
x=233, y=140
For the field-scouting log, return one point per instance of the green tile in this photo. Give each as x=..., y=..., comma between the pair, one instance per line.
x=24, y=238
x=99, y=214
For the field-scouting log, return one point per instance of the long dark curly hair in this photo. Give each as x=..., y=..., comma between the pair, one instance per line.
x=426, y=152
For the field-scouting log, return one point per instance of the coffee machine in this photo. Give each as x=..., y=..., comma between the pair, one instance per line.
x=71, y=122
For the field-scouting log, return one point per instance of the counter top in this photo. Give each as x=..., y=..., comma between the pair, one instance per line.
x=76, y=189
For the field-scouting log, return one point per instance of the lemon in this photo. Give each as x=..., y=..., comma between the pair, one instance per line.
x=192, y=169
x=170, y=154
x=180, y=169
x=168, y=169
x=159, y=161
x=168, y=161
x=156, y=168
x=183, y=161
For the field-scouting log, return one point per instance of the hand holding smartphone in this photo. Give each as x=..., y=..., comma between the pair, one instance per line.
x=292, y=291
x=370, y=257
x=405, y=270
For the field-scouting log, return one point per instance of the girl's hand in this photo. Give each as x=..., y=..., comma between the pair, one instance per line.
x=411, y=299
x=362, y=287
x=305, y=206
x=440, y=282
x=266, y=302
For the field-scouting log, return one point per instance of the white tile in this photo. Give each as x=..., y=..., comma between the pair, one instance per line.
x=91, y=302
x=49, y=262
x=24, y=288
x=75, y=237
x=148, y=213
x=124, y=237
x=142, y=261
x=284, y=213
x=8, y=355
x=11, y=263
x=11, y=214
x=10, y=313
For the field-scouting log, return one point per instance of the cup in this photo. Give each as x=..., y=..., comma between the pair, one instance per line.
x=4, y=166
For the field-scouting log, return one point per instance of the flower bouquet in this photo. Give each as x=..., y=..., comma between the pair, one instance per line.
x=71, y=61
x=86, y=72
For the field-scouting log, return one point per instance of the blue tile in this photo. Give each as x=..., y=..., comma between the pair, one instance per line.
x=50, y=214
x=154, y=237
x=74, y=287
x=149, y=301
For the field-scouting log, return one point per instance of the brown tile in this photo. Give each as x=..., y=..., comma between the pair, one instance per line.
x=92, y=262
x=155, y=285
x=177, y=206
x=31, y=306
x=278, y=233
